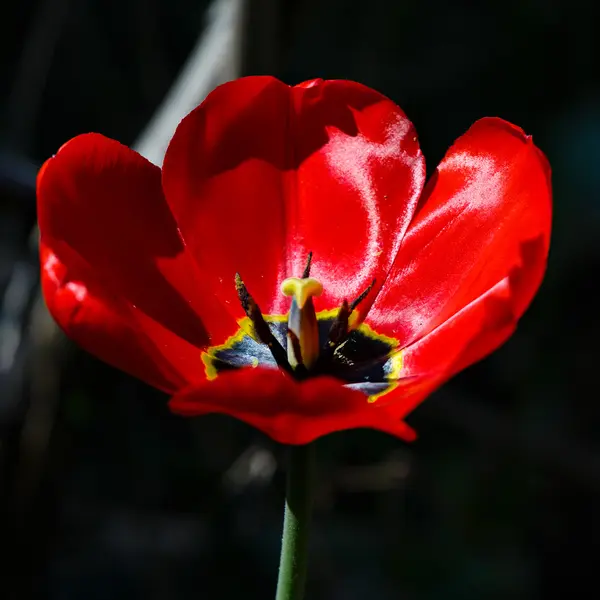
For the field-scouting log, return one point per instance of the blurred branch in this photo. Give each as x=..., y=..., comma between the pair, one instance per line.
x=14, y=309
x=47, y=354
x=215, y=59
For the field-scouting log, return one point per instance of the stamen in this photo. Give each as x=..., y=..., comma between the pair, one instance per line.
x=339, y=327
x=242, y=292
x=261, y=328
x=358, y=300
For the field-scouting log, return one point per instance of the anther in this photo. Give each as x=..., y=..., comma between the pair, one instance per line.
x=339, y=327
x=362, y=296
x=242, y=292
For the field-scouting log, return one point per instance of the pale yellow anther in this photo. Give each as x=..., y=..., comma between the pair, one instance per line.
x=301, y=289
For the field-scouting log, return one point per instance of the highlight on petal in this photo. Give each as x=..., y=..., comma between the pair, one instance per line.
x=289, y=411
x=269, y=172
x=484, y=219
x=468, y=336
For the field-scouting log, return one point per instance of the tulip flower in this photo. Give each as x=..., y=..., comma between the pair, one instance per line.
x=197, y=279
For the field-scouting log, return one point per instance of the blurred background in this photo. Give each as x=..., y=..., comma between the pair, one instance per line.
x=104, y=494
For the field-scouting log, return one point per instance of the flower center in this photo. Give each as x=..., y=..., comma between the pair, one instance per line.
x=333, y=342
x=305, y=354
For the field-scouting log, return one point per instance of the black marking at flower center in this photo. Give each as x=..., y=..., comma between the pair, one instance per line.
x=306, y=344
x=365, y=360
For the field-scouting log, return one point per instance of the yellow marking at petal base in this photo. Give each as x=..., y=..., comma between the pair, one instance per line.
x=247, y=328
x=209, y=368
x=247, y=325
x=354, y=323
x=395, y=355
x=209, y=355
x=397, y=360
x=301, y=289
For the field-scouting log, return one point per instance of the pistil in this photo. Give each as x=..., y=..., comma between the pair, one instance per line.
x=306, y=354
x=302, y=320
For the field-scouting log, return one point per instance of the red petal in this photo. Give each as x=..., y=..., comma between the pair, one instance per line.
x=261, y=173
x=288, y=411
x=103, y=203
x=109, y=328
x=485, y=215
x=468, y=336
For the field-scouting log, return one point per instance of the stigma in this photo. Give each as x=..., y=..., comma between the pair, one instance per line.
x=303, y=328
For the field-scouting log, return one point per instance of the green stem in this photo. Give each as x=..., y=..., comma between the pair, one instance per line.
x=296, y=523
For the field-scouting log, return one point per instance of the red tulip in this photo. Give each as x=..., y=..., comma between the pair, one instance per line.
x=407, y=286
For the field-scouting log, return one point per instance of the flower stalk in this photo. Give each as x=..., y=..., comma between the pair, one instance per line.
x=296, y=523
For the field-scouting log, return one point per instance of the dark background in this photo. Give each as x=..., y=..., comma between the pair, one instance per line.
x=104, y=494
